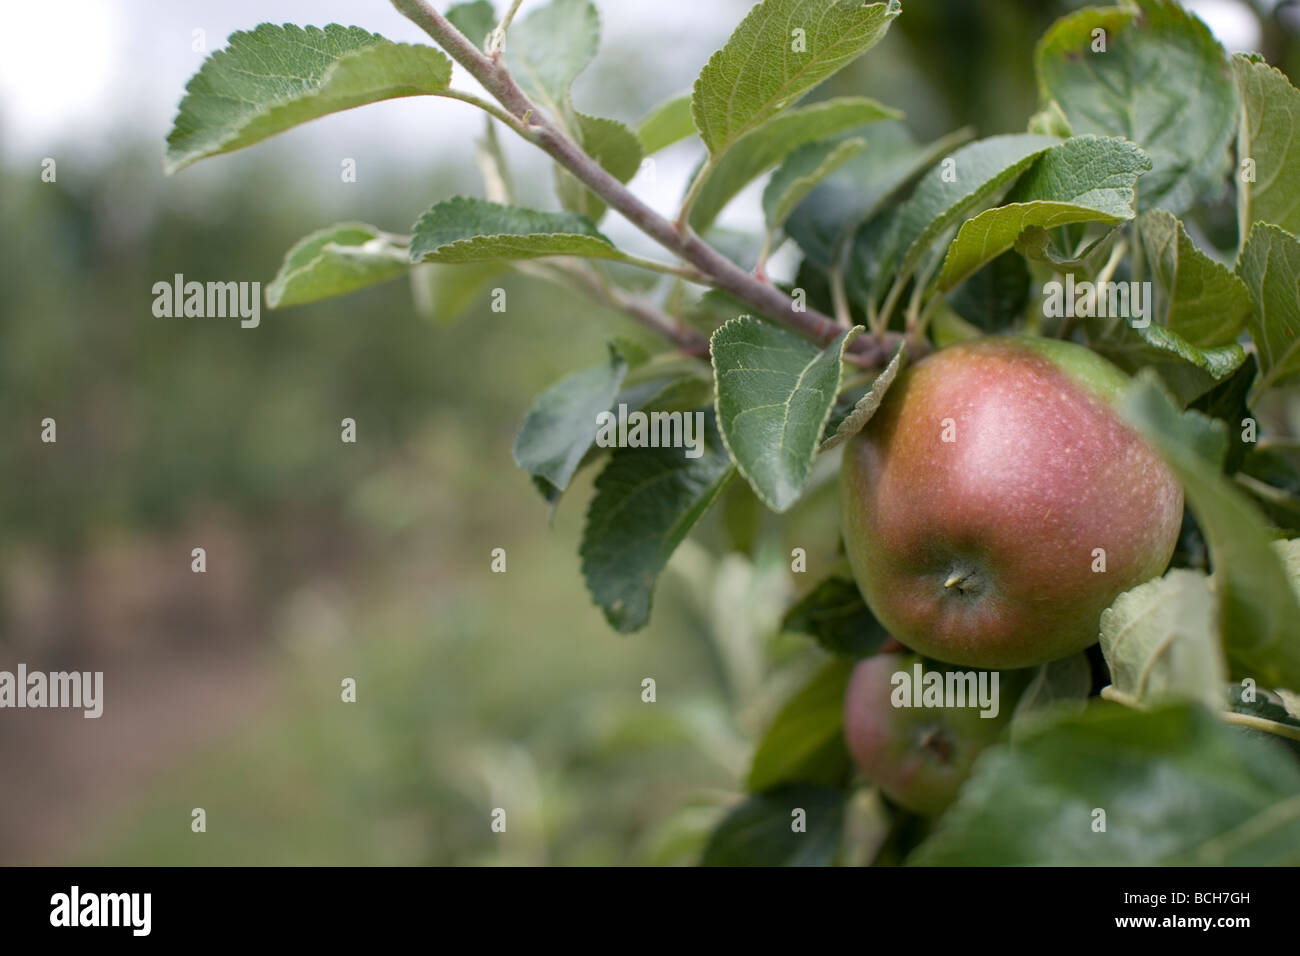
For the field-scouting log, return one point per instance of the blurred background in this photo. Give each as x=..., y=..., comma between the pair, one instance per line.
x=371, y=560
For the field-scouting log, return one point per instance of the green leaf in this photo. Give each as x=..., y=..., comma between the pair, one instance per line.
x=767, y=145
x=1228, y=403
x=834, y=614
x=1205, y=302
x=476, y=20
x=335, y=261
x=1163, y=82
x=1289, y=552
x=666, y=393
x=951, y=190
x=775, y=393
x=1177, y=786
x=780, y=51
x=683, y=393
x=1275, y=484
x=1050, y=121
x=993, y=299
x=760, y=831
x=1269, y=707
x=547, y=49
x=828, y=219
x=647, y=500
x=715, y=308
x=612, y=145
x=1270, y=267
x=1189, y=372
x=865, y=408
x=1085, y=179
x=805, y=741
x=1057, y=686
x=1269, y=135
x=871, y=258
x=947, y=327
x=799, y=175
x=444, y=293
x=634, y=353
x=1281, y=506
x=1257, y=608
x=1037, y=244
x=560, y=428
x=669, y=122
x=475, y=230
x=276, y=77
x=1161, y=644
x=1291, y=700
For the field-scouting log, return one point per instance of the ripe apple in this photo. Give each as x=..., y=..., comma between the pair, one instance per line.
x=996, y=504
x=918, y=757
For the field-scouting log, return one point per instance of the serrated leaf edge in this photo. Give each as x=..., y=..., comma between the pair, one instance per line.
x=845, y=341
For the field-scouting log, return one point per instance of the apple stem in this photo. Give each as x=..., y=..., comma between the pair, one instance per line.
x=934, y=742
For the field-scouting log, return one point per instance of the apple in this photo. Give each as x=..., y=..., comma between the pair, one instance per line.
x=918, y=756
x=996, y=503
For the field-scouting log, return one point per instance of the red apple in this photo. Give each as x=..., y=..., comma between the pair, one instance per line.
x=996, y=504
x=918, y=756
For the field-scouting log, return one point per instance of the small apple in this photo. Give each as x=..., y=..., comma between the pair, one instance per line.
x=996, y=504
x=918, y=757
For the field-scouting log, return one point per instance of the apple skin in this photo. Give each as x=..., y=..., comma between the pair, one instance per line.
x=980, y=551
x=918, y=757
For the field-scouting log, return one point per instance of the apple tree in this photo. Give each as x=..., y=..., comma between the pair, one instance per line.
x=1022, y=347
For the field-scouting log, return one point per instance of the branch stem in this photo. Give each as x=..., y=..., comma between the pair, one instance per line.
x=667, y=268
x=1262, y=489
x=692, y=194
x=497, y=39
x=1262, y=723
x=578, y=274
x=840, y=298
x=1107, y=271
x=678, y=239
x=489, y=107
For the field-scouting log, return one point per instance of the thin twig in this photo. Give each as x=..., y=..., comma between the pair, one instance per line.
x=692, y=194
x=578, y=274
x=1262, y=723
x=927, y=313
x=765, y=253
x=1104, y=276
x=497, y=38
x=1263, y=490
x=917, y=318
x=722, y=273
x=489, y=107
x=497, y=185
x=892, y=297
x=913, y=314
x=840, y=298
x=667, y=268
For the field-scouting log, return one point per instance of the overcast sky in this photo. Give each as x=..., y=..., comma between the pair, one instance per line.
x=77, y=75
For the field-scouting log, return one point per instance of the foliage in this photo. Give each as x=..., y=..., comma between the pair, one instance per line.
x=1139, y=107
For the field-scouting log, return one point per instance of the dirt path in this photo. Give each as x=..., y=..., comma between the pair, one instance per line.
x=64, y=778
